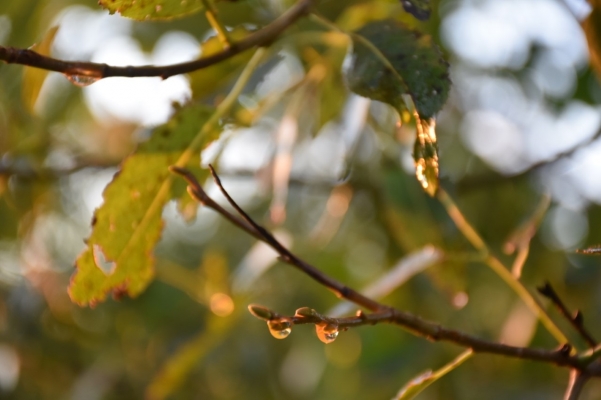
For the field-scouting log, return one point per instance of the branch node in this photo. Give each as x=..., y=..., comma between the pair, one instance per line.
x=565, y=350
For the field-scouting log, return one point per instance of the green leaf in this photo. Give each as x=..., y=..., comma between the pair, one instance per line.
x=207, y=81
x=390, y=60
x=145, y=10
x=128, y=225
x=33, y=78
x=421, y=382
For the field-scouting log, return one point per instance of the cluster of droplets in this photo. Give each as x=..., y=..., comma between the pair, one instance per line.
x=281, y=327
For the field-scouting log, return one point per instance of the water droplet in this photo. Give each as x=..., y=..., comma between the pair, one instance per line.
x=425, y=154
x=327, y=333
x=279, y=329
x=82, y=80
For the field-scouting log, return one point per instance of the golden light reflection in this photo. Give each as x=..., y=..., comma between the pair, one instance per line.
x=221, y=304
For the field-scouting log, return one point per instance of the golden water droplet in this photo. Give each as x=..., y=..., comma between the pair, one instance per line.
x=82, y=80
x=425, y=154
x=327, y=333
x=279, y=329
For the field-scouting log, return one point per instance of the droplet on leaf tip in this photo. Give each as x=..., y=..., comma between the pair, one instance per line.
x=425, y=153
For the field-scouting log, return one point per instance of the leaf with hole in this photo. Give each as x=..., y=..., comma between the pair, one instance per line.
x=126, y=228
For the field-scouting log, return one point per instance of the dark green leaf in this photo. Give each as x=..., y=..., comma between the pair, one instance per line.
x=390, y=60
x=420, y=9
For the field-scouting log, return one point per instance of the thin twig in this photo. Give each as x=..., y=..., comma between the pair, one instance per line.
x=248, y=225
x=262, y=37
x=484, y=180
x=575, y=319
x=382, y=313
x=211, y=14
x=433, y=331
x=497, y=266
x=577, y=381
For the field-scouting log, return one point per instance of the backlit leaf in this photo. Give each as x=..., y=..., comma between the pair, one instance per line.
x=152, y=9
x=128, y=225
x=390, y=60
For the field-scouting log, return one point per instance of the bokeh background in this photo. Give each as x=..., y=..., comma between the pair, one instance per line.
x=331, y=173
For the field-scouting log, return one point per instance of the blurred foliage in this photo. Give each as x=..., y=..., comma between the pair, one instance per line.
x=353, y=208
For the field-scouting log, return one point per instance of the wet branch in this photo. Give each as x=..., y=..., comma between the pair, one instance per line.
x=262, y=37
x=381, y=313
x=431, y=330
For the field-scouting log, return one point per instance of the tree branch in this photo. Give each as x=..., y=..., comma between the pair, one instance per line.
x=382, y=313
x=576, y=319
x=248, y=225
x=576, y=384
x=421, y=327
x=262, y=37
x=484, y=180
